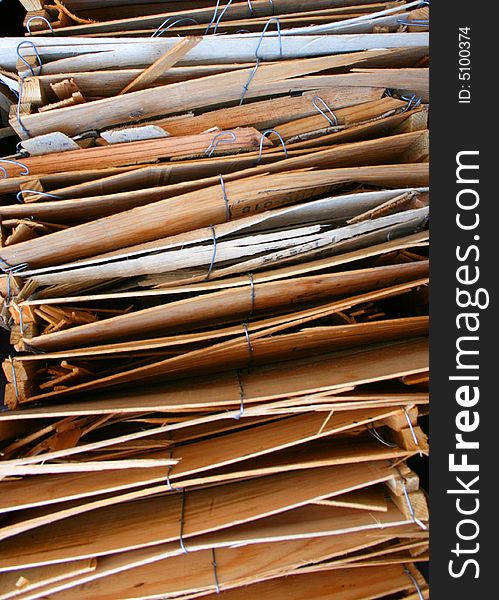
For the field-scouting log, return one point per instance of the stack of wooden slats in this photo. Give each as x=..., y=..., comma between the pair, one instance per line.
x=91, y=18
x=215, y=280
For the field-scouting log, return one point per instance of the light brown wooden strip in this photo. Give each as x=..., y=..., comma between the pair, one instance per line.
x=165, y=62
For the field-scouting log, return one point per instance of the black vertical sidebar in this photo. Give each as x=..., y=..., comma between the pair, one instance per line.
x=464, y=353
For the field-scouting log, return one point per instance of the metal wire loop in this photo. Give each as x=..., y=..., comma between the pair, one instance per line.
x=217, y=23
x=246, y=85
x=415, y=583
x=266, y=132
x=21, y=323
x=241, y=395
x=18, y=108
x=9, y=291
x=29, y=43
x=168, y=482
x=20, y=151
x=258, y=59
x=19, y=195
x=411, y=427
x=217, y=139
x=226, y=200
x=213, y=18
x=412, y=102
x=14, y=378
x=160, y=30
x=333, y=121
x=374, y=432
x=250, y=347
x=264, y=30
x=414, y=23
x=411, y=508
x=169, y=469
x=252, y=284
x=35, y=18
x=15, y=269
x=182, y=521
x=215, y=574
x=14, y=162
x=213, y=256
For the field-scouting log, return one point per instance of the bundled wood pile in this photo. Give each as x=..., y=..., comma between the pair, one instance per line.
x=215, y=270
x=90, y=18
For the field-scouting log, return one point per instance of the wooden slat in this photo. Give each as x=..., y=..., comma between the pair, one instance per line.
x=163, y=63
